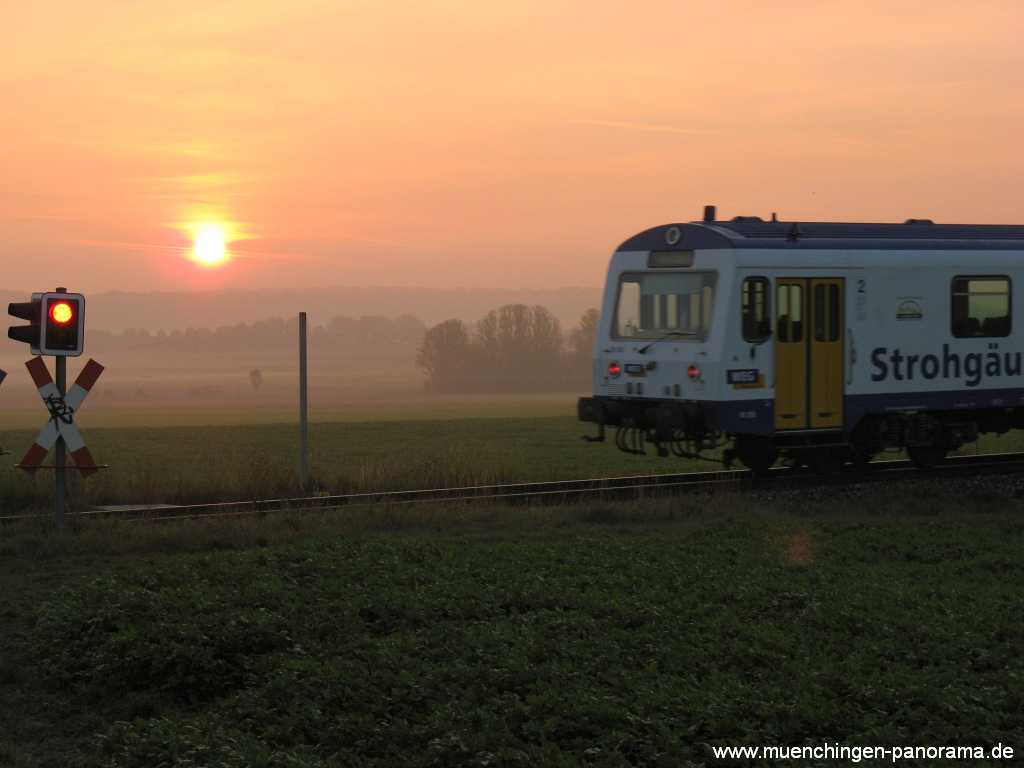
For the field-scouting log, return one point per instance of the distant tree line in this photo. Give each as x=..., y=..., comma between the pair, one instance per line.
x=513, y=348
x=271, y=332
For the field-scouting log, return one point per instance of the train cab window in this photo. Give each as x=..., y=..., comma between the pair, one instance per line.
x=755, y=309
x=981, y=307
x=790, y=321
x=651, y=305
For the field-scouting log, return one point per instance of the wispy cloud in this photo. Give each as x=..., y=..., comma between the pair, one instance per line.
x=185, y=149
x=130, y=245
x=43, y=217
x=652, y=127
x=207, y=180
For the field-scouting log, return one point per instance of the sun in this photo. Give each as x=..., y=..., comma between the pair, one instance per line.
x=210, y=248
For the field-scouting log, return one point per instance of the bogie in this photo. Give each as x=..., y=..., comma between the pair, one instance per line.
x=926, y=456
x=756, y=453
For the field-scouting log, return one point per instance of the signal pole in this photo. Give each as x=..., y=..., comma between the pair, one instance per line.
x=60, y=455
x=303, y=406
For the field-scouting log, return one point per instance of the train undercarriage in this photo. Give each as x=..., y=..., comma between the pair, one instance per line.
x=688, y=430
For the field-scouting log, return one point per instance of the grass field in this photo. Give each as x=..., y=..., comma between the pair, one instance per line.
x=173, y=457
x=197, y=455
x=612, y=634
x=410, y=406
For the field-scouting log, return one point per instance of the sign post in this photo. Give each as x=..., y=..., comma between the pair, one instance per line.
x=59, y=458
x=60, y=430
x=303, y=406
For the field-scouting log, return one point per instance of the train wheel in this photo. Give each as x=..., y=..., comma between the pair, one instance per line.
x=860, y=457
x=757, y=454
x=825, y=461
x=926, y=456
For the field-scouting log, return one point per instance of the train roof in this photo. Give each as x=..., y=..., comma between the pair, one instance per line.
x=753, y=232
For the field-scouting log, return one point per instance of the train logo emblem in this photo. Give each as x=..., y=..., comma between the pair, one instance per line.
x=673, y=235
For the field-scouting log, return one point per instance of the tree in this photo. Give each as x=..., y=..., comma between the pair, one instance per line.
x=445, y=355
x=580, y=357
x=545, y=339
x=518, y=345
x=256, y=378
x=583, y=336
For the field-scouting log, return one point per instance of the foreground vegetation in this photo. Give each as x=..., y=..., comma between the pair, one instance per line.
x=191, y=456
x=606, y=634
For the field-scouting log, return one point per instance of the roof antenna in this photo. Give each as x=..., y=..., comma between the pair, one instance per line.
x=775, y=218
x=709, y=213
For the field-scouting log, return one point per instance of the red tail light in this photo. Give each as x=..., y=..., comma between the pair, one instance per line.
x=614, y=369
x=693, y=372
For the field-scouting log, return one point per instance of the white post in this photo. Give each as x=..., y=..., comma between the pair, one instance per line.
x=303, y=406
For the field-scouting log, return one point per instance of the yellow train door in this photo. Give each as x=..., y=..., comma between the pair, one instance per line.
x=790, y=353
x=826, y=352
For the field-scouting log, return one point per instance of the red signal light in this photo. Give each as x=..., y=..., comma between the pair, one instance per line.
x=61, y=313
x=693, y=372
x=614, y=369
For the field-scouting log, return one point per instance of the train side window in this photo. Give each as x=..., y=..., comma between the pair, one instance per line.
x=790, y=325
x=819, y=312
x=833, y=312
x=980, y=306
x=754, y=300
x=826, y=312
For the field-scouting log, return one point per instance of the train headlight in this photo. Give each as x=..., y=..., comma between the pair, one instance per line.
x=693, y=372
x=614, y=369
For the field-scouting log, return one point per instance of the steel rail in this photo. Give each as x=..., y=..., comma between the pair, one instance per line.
x=569, y=490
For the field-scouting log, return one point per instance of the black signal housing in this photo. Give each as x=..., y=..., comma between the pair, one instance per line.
x=62, y=324
x=31, y=311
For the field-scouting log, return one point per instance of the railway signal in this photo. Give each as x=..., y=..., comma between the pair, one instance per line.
x=31, y=311
x=56, y=327
x=56, y=323
x=63, y=326
x=62, y=410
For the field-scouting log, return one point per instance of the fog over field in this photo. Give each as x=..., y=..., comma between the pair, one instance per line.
x=239, y=349
x=169, y=310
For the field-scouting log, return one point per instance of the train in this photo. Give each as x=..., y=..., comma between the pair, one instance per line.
x=813, y=344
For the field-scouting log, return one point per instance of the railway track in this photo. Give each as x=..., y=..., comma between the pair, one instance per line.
x=634, y=486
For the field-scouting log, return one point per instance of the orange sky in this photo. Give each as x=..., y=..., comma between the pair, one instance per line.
x=467, y=142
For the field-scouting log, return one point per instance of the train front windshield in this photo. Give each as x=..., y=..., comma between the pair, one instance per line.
x=655, y=304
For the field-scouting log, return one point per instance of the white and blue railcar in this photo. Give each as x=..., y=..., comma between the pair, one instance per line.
x=819, y=342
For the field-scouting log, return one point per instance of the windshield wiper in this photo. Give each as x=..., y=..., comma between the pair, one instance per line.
x=645, y=347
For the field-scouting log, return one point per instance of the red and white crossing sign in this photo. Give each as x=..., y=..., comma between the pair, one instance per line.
x=62, y=410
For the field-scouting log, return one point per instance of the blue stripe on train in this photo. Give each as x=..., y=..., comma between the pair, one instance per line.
x=757, y=417
x=858, y=406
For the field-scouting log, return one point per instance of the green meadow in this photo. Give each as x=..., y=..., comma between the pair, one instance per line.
x=604, y=634
x=192, y=455
x=607, y=633
x=203, y=455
